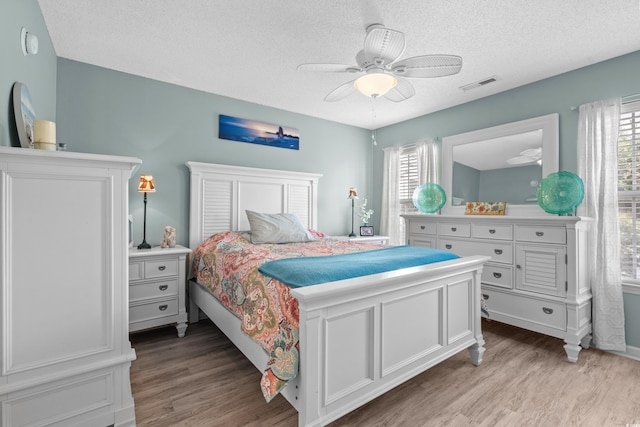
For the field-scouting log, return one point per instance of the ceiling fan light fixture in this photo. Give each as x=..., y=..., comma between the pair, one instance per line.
x=375, y=84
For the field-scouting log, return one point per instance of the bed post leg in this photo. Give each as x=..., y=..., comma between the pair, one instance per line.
x=476, y=351
x=194, y=311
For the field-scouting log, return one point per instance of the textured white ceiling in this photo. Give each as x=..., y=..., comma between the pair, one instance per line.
x=249, y=49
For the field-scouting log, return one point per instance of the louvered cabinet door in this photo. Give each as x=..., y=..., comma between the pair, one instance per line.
x=541, y=269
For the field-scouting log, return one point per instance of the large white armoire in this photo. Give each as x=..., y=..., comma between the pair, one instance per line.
x=64, y=345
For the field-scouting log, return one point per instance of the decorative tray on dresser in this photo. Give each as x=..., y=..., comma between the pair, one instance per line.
x=537, y=277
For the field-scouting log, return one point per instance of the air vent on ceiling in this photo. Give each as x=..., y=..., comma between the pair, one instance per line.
x=477, y=84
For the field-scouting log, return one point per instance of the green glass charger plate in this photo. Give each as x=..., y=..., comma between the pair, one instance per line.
x=429, y=197
x=560, y=193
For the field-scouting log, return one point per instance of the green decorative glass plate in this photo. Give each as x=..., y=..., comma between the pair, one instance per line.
x=429, y=197
x=560, y=193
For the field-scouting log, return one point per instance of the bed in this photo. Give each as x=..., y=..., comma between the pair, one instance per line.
x=358, y=337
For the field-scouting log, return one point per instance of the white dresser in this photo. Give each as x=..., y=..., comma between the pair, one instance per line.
x=537, y=277
x=157, y=282
x=64, y=345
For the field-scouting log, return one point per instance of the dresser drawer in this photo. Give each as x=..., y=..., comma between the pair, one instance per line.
x=487, y=231
x=416, y=227
x=136, y=270
x=497, y=275
x=498, y=251
x=148, y=290
x=523, y=308
x=154, y=310
x=160, y=268
x=542, y=234
x=462, y=229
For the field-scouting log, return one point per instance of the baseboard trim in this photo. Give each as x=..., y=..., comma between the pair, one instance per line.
x=631, y=353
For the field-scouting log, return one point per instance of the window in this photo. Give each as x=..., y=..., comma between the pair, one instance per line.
x=629, y=190
x=409, y=178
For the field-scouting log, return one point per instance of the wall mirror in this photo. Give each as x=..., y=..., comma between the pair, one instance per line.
x=500, y=164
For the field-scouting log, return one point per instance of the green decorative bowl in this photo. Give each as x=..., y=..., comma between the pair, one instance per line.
x=429, y=197
x=560, y=193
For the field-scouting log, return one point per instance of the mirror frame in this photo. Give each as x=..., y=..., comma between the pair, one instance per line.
x=550, y=161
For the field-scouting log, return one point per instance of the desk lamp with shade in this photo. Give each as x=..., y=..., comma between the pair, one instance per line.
x=145, y=186
x=353, y=195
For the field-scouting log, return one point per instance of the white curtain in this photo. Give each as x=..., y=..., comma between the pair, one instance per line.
x=598, y=168
x=427, y=161
x=391, y=224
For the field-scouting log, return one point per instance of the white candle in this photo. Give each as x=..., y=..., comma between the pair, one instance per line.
x=44, y=131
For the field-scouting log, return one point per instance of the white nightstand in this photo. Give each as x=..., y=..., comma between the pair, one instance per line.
x=157, y=280
x=382, y=240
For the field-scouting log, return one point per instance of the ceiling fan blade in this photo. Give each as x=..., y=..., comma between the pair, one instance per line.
x=426, y=66
x=532, y=152
x=382, y=46
x=340, y=92
x=401, y=91
x=329, y=68
x=520, y=160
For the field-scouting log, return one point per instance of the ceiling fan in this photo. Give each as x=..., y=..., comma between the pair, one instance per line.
x=527, y=156
x=383, y=76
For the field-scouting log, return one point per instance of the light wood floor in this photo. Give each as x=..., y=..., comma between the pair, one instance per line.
x=524, y=380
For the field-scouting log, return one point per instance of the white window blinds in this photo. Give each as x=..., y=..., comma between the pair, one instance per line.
x=629, y=189
x=409, y=178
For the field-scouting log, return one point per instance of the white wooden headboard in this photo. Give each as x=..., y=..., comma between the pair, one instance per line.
x=220, y=194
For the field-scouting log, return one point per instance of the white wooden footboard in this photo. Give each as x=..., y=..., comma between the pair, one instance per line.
x=361, y=337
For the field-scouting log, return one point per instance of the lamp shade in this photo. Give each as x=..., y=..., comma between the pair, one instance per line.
x=353, y=194
x=146, y=184
x=375, y=83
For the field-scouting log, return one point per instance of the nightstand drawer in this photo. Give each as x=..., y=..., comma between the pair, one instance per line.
x=144, y=291
x=160, y=268
x=136, y=270
x=154, y=310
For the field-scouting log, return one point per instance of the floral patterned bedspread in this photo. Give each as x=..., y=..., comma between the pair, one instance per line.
x=227, y=263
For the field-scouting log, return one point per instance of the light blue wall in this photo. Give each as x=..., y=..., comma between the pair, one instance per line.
x=510, y=184
x=104, y=111
x=614, y=78
x=37, y=72
x=466, y=186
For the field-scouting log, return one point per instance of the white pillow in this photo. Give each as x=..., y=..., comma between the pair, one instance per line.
x=277, y=228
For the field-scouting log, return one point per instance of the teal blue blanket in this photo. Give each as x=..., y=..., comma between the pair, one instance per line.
x=307, y=271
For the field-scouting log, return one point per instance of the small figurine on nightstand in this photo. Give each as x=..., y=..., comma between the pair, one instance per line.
x=169, y=239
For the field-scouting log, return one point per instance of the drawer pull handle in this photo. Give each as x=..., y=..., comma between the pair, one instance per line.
x=161, y=267
x=497, y=275
x=163, y=307
x=547, y=310
x=163, y=287
x=518, y=266
x=485, y=296
x=422, y=227
x=498, y=251
x=539, y=233
x=454, y=228
x=448, y=246
x=492, y=231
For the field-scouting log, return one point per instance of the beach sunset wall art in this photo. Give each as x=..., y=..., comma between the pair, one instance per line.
x=243, y=130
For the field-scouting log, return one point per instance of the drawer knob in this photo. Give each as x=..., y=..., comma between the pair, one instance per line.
x=163, y=287
x=161, y=267
x=163, y=307
x=454, y=228
x=539, y=233
x=518, y=266
x=448, y=246
x=547, y=310
x=492, y=231
x=497, y=275
x=485, y=296
x=422, y=227
x=498, y=251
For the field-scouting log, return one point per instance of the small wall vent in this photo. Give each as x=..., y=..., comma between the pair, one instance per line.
x=477, y=84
